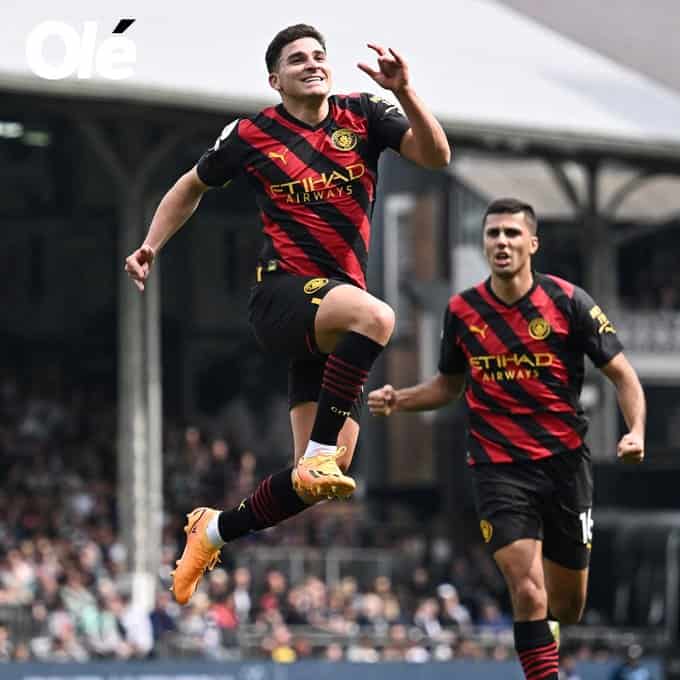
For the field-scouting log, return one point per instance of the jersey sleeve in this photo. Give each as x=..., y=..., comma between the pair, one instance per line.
x=593, y=332
x=224, y=160
x=451, y=357
x=386, y=123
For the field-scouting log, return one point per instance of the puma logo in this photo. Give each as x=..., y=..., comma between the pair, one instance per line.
x=317, y=474
x=481, y=331
x=280, y=156
x=198, y=519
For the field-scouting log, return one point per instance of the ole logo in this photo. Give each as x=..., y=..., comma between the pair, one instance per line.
x=314, y=284
x=79, y=54
x=487, y=530
x=539, y=329
x=344, y=139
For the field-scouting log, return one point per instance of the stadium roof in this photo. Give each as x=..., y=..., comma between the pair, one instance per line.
x=481, y=67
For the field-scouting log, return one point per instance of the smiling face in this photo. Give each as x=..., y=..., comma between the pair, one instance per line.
x=302, y=71
x=509, y=243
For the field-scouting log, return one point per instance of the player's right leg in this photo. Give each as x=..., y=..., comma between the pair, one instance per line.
x=509, y=500
x=521, y=564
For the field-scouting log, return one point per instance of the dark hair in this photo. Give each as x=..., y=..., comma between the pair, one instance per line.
x=286, y=36
x=513, y=206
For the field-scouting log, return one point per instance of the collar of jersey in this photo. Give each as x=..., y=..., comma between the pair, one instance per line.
x=281, y=110
x=487, y=285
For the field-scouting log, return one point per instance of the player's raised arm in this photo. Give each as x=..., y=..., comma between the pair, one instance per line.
x=425, y=143
x=426, y=396
x=631, y=448
x=175, y=208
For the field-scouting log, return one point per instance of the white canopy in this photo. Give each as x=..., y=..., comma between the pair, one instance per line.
x=477, y=64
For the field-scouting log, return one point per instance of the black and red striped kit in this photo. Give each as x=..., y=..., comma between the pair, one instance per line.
x=314, y=185
x=315, y=188
x=524, y=368
x=525, y=365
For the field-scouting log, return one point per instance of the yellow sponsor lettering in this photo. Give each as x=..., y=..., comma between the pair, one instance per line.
x=491, y=361
x=315, y=183
x=335, y=175
x=311, y=184
x=356, y=171
x=479, y=362
x=515, y=366
x=605, y=326
x=544, y=359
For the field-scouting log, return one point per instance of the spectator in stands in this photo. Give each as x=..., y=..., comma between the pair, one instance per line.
x=163, y=622
x=6, y=645
x=568, y=668
x=632, y=668
x=453, y=613
x=334, y=652
x=278, y=646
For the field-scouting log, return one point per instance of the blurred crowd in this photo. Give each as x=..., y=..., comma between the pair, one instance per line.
x=65, y=593
x=656, y=286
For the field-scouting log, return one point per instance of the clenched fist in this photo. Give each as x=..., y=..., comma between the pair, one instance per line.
x=383, y=401
x=631, y=448
x=138, y=265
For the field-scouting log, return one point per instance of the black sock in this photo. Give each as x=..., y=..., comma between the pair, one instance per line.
x=344, y=375
x=536, y=649
x=273, y=500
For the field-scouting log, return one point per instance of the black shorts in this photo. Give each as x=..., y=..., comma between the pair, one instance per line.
x=550, y=500
x=282, y=309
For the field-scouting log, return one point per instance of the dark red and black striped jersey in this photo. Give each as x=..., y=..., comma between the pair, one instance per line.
x=314, y=185
x=524, y=366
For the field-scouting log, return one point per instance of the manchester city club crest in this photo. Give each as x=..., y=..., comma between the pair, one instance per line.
x=344, y=139
x=539, y=329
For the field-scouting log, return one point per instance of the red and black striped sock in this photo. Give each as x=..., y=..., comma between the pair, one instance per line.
x=345, y=373
x=273, y=500
x=537, y=650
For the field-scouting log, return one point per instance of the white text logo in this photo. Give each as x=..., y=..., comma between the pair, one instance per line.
x=113, y=58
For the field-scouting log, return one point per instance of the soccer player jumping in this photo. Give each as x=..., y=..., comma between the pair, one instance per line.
x=312, y=161
x=515, y=344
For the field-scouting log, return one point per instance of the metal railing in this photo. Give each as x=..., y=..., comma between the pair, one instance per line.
x=329, y=564
x=649, y=330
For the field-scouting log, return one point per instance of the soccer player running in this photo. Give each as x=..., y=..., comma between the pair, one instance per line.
x=515, y=344
x=312, y=161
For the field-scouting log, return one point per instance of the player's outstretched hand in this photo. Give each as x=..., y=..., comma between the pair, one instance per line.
x=383, y=401
x=392, y=73
x=138, y=265
x=631, y=448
